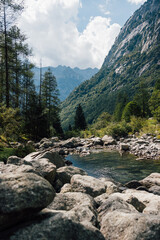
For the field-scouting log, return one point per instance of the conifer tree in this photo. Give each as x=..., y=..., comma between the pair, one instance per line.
x=9, y=10
x=79, y=120
x=50, y=103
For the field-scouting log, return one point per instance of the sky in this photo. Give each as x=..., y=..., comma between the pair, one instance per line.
x=75, y=33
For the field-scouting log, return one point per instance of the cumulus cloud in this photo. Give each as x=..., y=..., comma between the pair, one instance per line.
x=51, y=27
x=137, y=1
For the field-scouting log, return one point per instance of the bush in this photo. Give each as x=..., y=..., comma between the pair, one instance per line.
x=23, y=150
x=119, y=130
x=136, y=124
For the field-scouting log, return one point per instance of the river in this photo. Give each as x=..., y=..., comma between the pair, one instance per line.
x=111, y=164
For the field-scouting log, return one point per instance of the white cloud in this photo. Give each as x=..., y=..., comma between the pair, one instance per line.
x=137, y=1
x=52, y=33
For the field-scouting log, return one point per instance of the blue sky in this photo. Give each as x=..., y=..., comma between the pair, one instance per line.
x=118, y=10
x=75, y=33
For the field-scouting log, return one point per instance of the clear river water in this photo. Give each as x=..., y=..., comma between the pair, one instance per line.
x=111, y=164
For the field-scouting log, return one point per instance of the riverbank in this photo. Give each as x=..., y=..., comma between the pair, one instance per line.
x=145, y=147
x=43, y=198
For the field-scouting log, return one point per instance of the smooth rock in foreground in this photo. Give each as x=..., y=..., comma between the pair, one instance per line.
x=86, y=184
x=130, y=226
x=53, y=225
x=22, y=194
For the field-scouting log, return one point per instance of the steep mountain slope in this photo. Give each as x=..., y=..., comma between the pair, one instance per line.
x=67, y=78
x=135, y=56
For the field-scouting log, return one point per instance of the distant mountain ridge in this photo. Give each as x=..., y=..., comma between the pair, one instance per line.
x=67, y=78
x=134, y=57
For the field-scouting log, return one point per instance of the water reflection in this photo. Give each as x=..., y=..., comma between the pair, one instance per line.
x=112, y=164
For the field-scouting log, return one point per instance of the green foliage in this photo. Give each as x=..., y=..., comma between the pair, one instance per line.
x=154, y=104
x=117, y=130
x=142, y=99
x=5, y=153
x=136, y=124
x=10, y=123
x=131, y=109
x=121, y=102
x=23, y=150
x=102, y=120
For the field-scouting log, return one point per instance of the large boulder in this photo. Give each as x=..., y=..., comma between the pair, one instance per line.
x=7, y=169
x=53, y=225
x=45, y=168
x=130, y=226
x=53, y=157
x=80, y=206
x=64, y=174
x=68, y=201
x=86, y=184
x=114, y=203
x=151, y=180
x=143, y=197
x=22, y=194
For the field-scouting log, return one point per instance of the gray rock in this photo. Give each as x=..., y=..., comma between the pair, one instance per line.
x=46, y=144
x=144, y=197
x=66, y=188
x=45, y=168
x=68, y=201
x=86, y=184
x=53, y=157
x=114, y=203
x=152, y=179
x=155, y=190
x=14, y=169
x=17, y=161
x=97, y=141
x=81, y=205
x=22, y=194
x=124, y=147
x=108, y=140
x=53, y=225
x=64, y=174
x=133, y=184
x=101, y=199
x=130, y=226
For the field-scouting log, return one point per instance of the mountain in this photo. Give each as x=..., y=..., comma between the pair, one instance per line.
x=67, y=78
x=134, y=57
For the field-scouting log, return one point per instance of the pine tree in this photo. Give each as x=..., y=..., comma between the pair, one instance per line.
x=50, y=103
x=79, y=120
x=8, y=13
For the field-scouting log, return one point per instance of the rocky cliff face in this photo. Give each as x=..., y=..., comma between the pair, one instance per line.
x=134, y=57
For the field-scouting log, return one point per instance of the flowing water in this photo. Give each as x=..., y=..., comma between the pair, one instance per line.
x=111, y=164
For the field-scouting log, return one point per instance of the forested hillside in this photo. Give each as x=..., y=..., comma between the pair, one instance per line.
x=67, y=78
x=132, y=60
